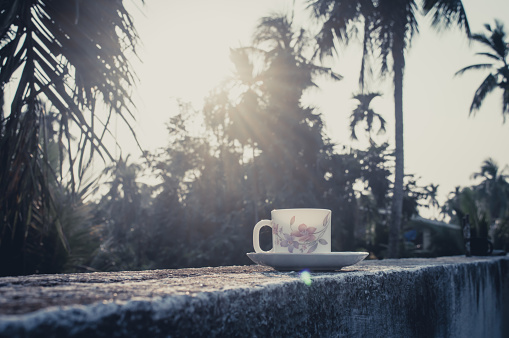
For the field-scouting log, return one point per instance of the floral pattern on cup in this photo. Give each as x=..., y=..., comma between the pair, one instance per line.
x=305, y=238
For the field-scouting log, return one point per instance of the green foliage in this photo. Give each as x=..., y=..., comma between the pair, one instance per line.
x=123, y=213
x=387, y=28
x=485, y=204
x=75, y=214
x=24, y=201
x=256, y=148
x=45, y=227
x=70, y=54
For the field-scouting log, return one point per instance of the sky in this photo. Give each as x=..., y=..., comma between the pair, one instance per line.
x=185, y=53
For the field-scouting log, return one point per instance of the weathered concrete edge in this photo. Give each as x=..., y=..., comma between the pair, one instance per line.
x=334, y=304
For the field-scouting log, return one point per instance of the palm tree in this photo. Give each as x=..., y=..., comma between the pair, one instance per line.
x=497, y=49
x=388, y=27
x=493, y=190
x=70, y=54
x=431, y=192
x=363, y=112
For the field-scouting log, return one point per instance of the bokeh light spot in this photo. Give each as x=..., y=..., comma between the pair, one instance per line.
x=305, y=276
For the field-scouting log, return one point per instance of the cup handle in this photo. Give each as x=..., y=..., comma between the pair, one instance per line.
x=256, y=235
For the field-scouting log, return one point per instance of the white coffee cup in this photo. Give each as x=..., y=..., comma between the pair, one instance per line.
x=302, y=231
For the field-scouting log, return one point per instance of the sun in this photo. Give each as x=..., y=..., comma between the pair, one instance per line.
x=185, y=53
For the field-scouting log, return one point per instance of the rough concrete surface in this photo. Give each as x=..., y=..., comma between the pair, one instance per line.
x=442, y=297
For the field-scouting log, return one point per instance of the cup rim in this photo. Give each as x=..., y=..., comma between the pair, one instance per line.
x=305, y=209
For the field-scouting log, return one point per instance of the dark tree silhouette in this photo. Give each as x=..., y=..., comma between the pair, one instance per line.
x=71, y=54
x=387, y=27
x=497, y=50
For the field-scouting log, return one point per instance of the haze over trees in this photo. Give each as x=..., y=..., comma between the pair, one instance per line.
x=387, y=29
x=252, y=147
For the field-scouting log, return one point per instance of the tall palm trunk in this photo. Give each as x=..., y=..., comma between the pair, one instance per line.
x=397, y=203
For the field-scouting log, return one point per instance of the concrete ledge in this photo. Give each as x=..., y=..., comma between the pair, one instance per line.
x=443, y=297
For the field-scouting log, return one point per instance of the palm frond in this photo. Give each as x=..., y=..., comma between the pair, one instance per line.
x=339, y=16
x=51, y=46
x=498, y=42
x=446, y=13
x=505, y=101
x=480, y=66
x=486, y=87
x=482, y=39
x=491, y=56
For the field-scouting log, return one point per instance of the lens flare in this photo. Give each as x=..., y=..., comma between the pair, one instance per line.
x=305, y=276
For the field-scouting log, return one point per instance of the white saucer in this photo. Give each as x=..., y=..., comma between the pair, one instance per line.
x=315, y=261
